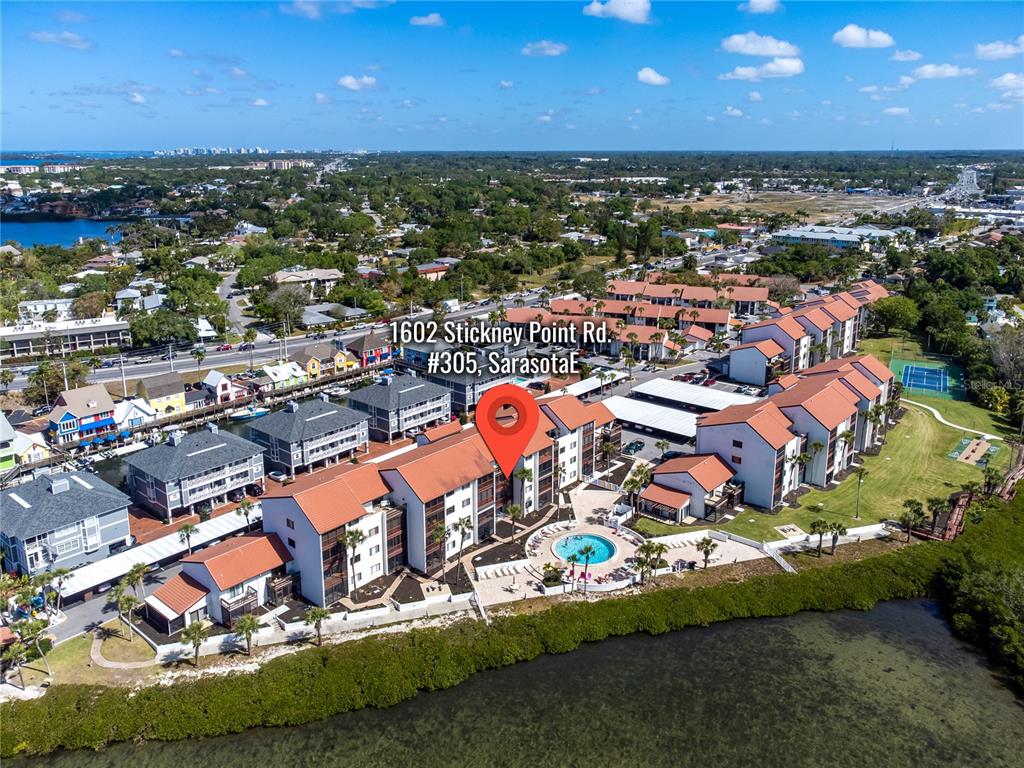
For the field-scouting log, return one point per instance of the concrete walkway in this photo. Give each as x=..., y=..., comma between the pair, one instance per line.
x=942, y=420
x=101, y=661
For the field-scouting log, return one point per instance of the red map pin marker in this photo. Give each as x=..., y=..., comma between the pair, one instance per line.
x=506, y=442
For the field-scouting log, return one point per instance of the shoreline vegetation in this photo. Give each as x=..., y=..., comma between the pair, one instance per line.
x=970, y=577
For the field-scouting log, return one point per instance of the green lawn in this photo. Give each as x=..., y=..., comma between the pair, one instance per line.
x=646, y=526
x=968, y=415
x=912, y=465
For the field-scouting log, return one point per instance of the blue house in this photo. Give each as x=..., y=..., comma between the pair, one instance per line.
x=83, y=416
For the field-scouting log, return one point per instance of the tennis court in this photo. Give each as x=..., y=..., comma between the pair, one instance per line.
x=932, y=378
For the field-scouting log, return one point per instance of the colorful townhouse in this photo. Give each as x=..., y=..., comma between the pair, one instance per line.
x=165, y=393
x=7, y=438
x=221, y=388
x=371, y=349
x=82, y=416
x=319, y=360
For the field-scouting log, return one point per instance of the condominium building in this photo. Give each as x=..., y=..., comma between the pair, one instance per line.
x=63, y=336
x=401, y=406
x=302, y=435
x=191, y=470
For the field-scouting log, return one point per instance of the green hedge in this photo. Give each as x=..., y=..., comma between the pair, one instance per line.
x=384, y=670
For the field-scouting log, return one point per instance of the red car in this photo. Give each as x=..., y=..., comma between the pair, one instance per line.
x=709, y=382
x=224, y=348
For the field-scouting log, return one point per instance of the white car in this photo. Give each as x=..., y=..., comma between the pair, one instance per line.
x=277, y=476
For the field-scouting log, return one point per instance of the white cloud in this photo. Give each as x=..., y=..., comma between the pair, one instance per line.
x=633, y=11
x=764, y=121
x=847, y=78
x=710, y=118
x=1011, y=84
x=308, y=9
x=430, y=20
x=868, y=89
x=408, y=104
x=826, y=102
x=942, y=71
x=795, y=114
x=176, y=53
x=755, y=96
x=853, y=36
x=260, y=103
x=998, y=106
x=72, y=17
x=651, y=77
x=238, y=72
x=65, y=39
x=907, y=55
x=506, y=84
x=136, y=98
x=593, y=91
x=544, y=48
x=905, y=81
x=778, y=67
x=1000, y=49
x=321, y=98
x=547, y=117
x=760, y=6
x=352, y=83
x=732, y=112
x=753, y=44
x=896, y=111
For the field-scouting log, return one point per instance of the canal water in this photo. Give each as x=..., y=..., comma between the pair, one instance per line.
x=889, y=687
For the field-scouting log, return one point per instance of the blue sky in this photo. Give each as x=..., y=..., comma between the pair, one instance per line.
x=600, y=74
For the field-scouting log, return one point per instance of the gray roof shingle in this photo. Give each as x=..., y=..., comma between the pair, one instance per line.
x=401, y=392
x=85, y=496
x=195, y=454
x=310, y=420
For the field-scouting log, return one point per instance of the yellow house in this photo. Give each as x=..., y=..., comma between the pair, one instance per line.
x=165, y=393
x=30, y=448
x=323, y=360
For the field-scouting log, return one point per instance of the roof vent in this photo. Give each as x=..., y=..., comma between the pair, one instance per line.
x=91, y=404
x=212, y=428
x=175, y=438
x=292, y=407
x=325, y=397
x=59, y=485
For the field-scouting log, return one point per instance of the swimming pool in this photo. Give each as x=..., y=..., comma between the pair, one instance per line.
x=571, y=545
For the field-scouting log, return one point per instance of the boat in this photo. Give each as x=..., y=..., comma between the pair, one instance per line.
x=249, y=412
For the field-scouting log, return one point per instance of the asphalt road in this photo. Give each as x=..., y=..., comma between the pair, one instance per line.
x=266, y=350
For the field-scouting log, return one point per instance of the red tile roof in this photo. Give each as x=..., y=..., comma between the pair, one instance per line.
x=338, y=500
x=434, y=434
x=767, y=347
x=234, y=561
x=787, y=325
x=600, y=413
x=540, y=440
x=708, y=470
x=828, y=402
x=569, y=411
x=667, y=497
x=763, y=417
x=870, y=363
x=439, y=468
x=180, y=592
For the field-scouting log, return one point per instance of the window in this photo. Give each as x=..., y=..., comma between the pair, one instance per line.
x=736, y=460
x=290, y=523
x=572, y=459
x=375, y=549
x=291, y=543
x=356, y=559
x=373, y=532
x=466, y=503
x=64, y=547
x=737, y=443
x=449, y=511
x=375, y=569
x=69, y=530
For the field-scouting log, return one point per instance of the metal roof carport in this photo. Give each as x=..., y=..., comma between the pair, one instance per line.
x=655, y=418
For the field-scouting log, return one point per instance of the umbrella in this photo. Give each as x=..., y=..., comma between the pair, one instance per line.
x=126, y=433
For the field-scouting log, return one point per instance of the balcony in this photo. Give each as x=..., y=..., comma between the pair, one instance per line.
x=232, y=609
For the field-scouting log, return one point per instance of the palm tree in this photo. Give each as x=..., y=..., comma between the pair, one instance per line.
x=586, y=552
x=819, y=528
x=200, y=355
x=9, y=587
x=913, y=514
x=706, y=546
x=6, y=378
x=246, y=626
x=993, y=478
x=16, y=654
x=439, y=536
x=59, y=575
x=317, y=616
x=524, y=475
x=462, y=527
x=837, y=530
x=135, y=578
x=185, y=534
x=848, y=437
x=245, y=509
x=573, y=561
x=194, y=635
x=861, y=472
x=94, y=362
x=249, y=337
x=514, y=512
x=662, y=445
x=350, y=539
x=876, y=415
x=126, y=605
x=643, y=560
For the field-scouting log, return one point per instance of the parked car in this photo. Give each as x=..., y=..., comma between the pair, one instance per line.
x=42, y=410
x=254, y=490
x=536, y=385
x=633, y=447
x=245, y=346
x=225, y=348
x=108, y=364
x=672, y=455
x=709, y=381
x=277, y=476
x=236, y=495
x=142, y=360
x=169, y=356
